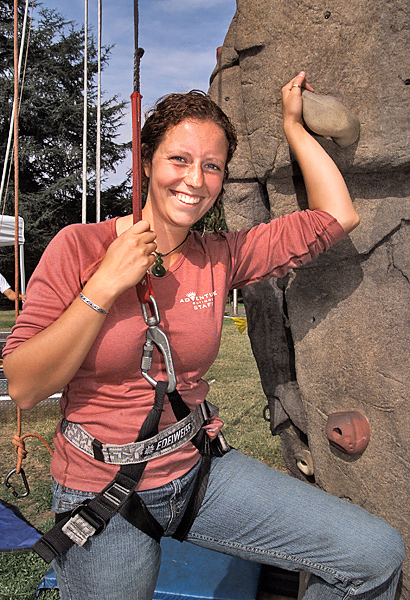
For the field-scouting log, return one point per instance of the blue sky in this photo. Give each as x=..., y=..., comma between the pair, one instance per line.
x=179, y=37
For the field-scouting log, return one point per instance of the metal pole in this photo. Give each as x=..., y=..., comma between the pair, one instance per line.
x=235, y=302
x=11, y=129
x=84, y=199
x=16, y=161
x=98, y=148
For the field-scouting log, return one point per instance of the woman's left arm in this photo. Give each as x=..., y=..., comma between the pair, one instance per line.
x=325, y=186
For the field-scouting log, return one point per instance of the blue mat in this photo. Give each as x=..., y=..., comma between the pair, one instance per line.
x=48, y=582
x=189, y=572
x=16, y=534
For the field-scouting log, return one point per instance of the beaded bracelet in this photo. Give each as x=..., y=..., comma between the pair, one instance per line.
x=92, y=305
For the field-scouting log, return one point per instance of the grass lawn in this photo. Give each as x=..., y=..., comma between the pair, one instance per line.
x=235, y=388
x=7, y=319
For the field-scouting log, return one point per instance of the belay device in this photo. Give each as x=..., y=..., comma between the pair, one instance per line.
x=92, y=516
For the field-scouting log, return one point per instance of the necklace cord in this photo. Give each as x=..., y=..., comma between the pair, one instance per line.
x=158, y=268
x=173, y=250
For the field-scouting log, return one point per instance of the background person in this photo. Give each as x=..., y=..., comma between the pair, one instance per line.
x=5, y=289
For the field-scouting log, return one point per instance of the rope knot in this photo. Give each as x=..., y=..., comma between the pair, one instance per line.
x=20, y=448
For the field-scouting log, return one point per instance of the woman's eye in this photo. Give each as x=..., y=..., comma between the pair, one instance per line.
x=178, y=158
x=213, y=167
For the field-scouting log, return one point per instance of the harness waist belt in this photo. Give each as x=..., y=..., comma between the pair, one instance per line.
x=164, y=442
x=92, y=516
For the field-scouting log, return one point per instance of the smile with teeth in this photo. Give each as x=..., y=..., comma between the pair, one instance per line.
x=187, y=199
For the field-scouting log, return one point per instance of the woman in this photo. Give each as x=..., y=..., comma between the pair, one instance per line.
x=82, y=330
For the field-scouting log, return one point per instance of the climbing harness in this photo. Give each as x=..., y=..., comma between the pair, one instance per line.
x=163, y=443
x=92, y=516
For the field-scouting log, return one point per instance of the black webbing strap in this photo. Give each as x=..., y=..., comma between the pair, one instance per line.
x=207, y=449
x=178, y=406
x=195, y=500
x=92, y=516
x=181, y=410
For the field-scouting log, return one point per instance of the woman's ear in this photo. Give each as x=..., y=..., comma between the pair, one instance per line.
x=146, y=164
x=147, y=169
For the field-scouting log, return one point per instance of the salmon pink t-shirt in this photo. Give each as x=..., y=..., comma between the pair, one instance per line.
x=108, y=396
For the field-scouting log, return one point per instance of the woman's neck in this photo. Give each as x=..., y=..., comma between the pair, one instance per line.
x=167, y=237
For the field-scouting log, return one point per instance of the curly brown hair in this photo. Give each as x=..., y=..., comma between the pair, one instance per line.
x=171, y=110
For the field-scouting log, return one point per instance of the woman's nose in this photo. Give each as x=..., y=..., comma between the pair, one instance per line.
x=194, y=176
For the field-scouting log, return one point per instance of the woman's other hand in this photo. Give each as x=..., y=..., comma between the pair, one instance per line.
x=292, y=100
x=213, y=427
x=325, y=186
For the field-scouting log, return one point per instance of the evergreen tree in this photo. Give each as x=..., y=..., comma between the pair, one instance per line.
x=51, y=131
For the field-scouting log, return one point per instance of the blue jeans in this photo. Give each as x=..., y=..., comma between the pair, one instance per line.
x=252, y=511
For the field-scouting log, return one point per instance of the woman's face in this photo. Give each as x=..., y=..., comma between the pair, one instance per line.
x=186, y=172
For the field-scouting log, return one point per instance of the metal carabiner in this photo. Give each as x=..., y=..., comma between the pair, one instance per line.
x=156, y=337
x=154, y=319
x=10, y=486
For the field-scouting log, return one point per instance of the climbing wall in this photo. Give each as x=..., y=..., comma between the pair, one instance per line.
x=334, y=335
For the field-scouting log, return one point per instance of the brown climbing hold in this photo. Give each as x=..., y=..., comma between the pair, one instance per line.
x=327, y=116
x=349, y=431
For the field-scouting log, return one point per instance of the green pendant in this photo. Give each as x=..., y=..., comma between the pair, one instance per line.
x=158, y=269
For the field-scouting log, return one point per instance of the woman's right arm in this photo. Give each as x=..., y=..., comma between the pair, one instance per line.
x=45, y=363
x=325, y=185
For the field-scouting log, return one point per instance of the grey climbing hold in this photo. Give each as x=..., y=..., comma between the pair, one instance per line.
x=327, y=116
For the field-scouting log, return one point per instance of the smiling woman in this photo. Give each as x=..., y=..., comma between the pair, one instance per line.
x=215, y=144
x=93, y=338
x=185, y=179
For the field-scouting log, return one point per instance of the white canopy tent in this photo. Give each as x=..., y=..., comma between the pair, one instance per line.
x=7, y=235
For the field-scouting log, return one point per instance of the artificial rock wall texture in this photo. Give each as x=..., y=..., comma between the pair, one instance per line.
x=333, y=335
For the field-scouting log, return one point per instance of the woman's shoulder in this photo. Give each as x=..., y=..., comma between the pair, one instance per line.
x=85, y=235
x=208, y=239
x=85, y=230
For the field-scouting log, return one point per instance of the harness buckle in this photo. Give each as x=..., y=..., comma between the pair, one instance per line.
x=116, y=494
x=79, y=528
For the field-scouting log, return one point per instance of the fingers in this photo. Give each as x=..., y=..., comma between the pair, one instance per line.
x=146, y=243
x=140, y=227
x=128, y=258
x=297, y=84
x=142, y=236
x=292, y=100
x=213, y=427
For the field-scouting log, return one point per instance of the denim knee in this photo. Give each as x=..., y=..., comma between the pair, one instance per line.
x=383, y=555
x=282, y=521
x=393, y=548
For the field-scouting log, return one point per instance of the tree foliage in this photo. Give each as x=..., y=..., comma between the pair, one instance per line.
x=51, y=130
